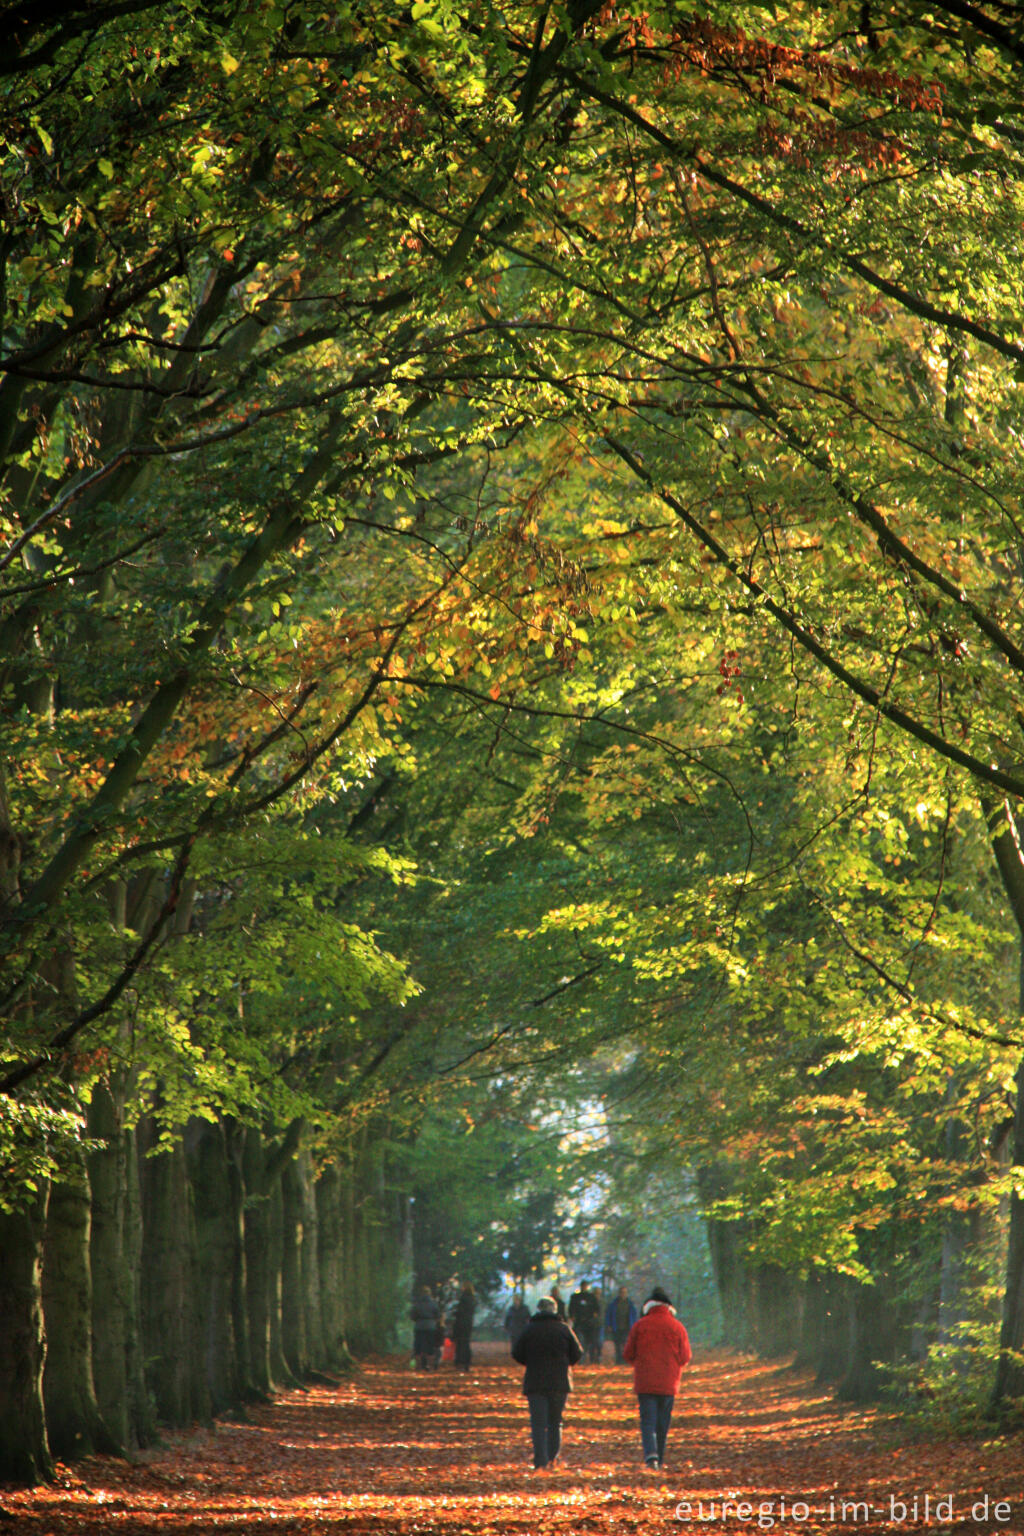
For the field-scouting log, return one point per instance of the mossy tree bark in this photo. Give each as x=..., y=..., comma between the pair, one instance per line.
x=280, y=1370
x=234, y=1149
x=294, y=1344
x=778, y=1303
x=174, y=1375
x=24, y=1449
x=836, y=1329
x=1006, y=828
x=259, y=1283
x=309, y=1261
x=812, y=1322
x=875, y=1326
x=113, y=1313
x=142, y=1406
x=74, y=1424
x=329, y=1255
x=217, y=1255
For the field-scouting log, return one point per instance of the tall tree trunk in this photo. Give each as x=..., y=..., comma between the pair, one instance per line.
x=370, y=1261
x=112, y=1279
x=836, y=1329
x=309, y=1262
x=732, y=1280
x=260, y=1290
x=280, y=1370
x=24, y=1449
x=874, y=1333
x=812, y=1320
x=328, y=1205
x=1006, y=828
x=74, y=1424
x=173, y=1366
x=1009, y=1382
x=234, y=1147
x=216, y=1256
x=355, y=1301
x=959, y=1253
x=778, y=1301
x=293, y=1312
x=142, y=1407
x=388, y=1234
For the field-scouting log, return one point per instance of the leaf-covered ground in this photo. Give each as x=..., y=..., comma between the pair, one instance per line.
x=753, y=1447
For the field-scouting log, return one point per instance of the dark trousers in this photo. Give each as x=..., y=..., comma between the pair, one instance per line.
x=463, y=1353
x=423, y=1348
x=620, y=1344
x=546, y=1409
x=655, y=1416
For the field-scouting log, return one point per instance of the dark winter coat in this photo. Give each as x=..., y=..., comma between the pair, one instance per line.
x=516, y=1319
x=462, y=1319
x=425, y=1314
x=659, y=1348
x=584, y=1312
x=611, y=1317
x=548, y=1348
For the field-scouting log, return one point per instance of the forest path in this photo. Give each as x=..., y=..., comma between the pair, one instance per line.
x=390, y=1452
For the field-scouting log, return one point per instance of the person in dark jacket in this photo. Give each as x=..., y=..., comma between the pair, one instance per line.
x=556, y=1297
x=595, y=1343
x=658, y=1349
x=425, y=1314
x=585, y=1318
x=549, y=1349
x=462, y=1327
x=516, y=1318
x=619, y=1319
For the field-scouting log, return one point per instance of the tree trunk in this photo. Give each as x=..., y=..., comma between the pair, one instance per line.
x=812, y=1318
x=293, y=1312
x=74, y=1424
x=732, y=1282
x=353, y=1260
x=142, y=1407
x=959, y=1255
x=778, y=1304
x=168, y=1301
x=24, y=1449
x=874, y=1332
x=234, y=1146
x=1006, y=829
x=280, y=1370
x=328, y=1205
x=112, y=1278
x=216, y=1255
x=1009, y=1382
x=309, y=1262
x=836, y=1330
x=256, y=1226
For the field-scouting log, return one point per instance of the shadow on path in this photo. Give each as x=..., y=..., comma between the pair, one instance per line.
x=392, y=1452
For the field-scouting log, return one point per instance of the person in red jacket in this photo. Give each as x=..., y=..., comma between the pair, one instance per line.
x=658, y=1348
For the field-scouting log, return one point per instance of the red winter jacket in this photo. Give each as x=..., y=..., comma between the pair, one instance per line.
x=659, y=1347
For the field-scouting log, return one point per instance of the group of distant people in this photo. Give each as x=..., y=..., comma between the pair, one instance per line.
x=556, y=1336
x=436, y=1338
x=590, y=1319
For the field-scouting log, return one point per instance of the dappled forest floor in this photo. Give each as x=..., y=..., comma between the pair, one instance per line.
x=392, y=1451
